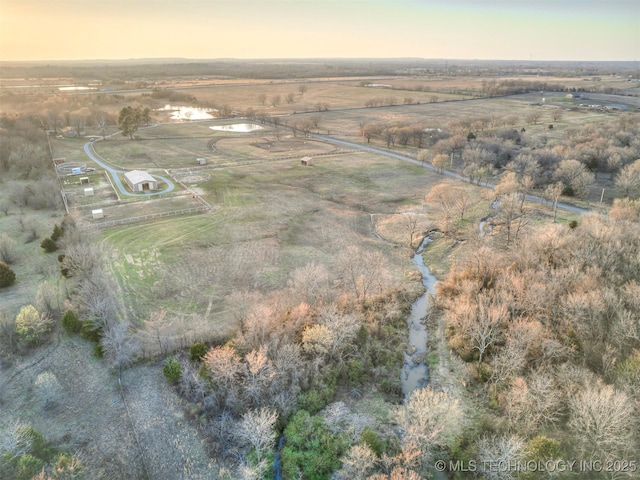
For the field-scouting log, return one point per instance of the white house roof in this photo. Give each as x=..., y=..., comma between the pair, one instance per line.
x=139, y=176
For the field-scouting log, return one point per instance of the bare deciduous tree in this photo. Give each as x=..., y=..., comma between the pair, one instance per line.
x=15, y=440
x=257, y=429
x=311, y=283
x=224, y=369
x=8, y=252
x=481, y=321
x=553, y=193
x=446, y=199
x=629, y=179
x=496, y=452
x=357, y=464
x=428, y=421
x=534, y=401
x=48, y=299
x=48, y=388
x=533, y=116
x=119, y=345
x=575, y=176
x=603, y=420
x=511, y=216
x=258, y=377
x=362, y=271
x=101, y=119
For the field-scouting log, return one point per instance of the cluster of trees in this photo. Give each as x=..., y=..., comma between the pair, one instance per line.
x=281, y=372
x=24, y=153
x=96, y=299
x=550, y=331
x=25, y=455
x=130, y=119
x=401, y=134
x=609, y=148
x=34, y=323
x=484, y=147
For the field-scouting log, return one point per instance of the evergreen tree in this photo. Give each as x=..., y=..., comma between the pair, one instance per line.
x=7, y=275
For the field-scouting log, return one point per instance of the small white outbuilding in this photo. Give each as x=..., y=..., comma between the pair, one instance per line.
x=98, y=213
x=88, y=192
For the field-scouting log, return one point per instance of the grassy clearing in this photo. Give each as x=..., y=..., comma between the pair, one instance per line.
x=270, y=219
x=27, y=228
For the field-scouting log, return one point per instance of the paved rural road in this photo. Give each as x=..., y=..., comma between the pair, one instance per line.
x=404, y=158
x=88, y=149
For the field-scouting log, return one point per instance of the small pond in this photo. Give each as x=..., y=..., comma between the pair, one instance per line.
x=179, y=112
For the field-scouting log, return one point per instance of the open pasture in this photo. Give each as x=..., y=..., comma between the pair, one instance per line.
x=501, y=110
x=309, y=95
x=269, y=219
x=177, y=146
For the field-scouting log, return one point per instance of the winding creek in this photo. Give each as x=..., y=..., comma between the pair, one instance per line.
x=415, y=371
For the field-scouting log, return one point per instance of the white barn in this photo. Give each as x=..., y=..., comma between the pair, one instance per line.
x=139, y=181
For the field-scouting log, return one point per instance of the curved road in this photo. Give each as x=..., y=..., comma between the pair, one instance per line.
x=404, y=158
x=88, y=149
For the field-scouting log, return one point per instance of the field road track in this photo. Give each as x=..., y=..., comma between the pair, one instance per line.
x=91, y=153
x=405, y=158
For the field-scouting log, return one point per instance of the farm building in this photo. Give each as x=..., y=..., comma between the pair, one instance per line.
x=306, y=161
x=139, y=181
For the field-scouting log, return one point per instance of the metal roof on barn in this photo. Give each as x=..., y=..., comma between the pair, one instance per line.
x=139, y=176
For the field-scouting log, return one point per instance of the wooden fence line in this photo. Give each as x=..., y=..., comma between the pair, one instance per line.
x=150, y=216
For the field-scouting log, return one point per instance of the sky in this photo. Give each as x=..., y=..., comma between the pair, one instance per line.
x=253, y=29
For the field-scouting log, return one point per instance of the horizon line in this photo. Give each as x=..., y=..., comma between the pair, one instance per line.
x=238, y=59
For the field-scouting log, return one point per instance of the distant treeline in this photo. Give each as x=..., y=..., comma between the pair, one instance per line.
x=302, y=68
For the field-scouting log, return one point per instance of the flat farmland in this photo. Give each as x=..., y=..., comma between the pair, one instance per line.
x=269, y=219
x=347, y=124
x=177, y=146
x=334, y=94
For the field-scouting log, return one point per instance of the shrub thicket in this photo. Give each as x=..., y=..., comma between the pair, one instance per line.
x=7, y=275
x=197, y=351
x=71, y=323
x=49, y=245
x=31, y=326
x=172, y=370
x=90, y=332
x=57, y=232
x=28, y=467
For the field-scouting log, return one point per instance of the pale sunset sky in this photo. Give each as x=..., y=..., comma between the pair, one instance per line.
x=252, y=29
